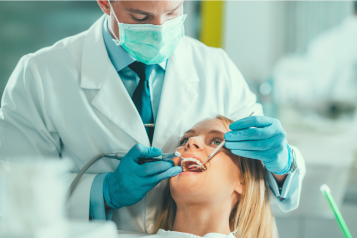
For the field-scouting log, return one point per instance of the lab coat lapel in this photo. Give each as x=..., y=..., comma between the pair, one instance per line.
x=112, y=99
x=115, y=103
x=177, y=95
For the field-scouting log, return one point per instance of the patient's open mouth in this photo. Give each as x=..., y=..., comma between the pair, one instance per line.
x=186, y=162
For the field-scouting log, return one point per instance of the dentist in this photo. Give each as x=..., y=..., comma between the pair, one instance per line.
x=103, y=89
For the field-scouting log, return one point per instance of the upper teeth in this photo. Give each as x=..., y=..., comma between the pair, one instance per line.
x=189, y=159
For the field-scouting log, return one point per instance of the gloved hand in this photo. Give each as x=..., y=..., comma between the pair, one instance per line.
x=266, y=141
x=130, y=182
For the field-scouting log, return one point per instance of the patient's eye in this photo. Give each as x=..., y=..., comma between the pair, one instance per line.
x=216, y=141
x=184, y=140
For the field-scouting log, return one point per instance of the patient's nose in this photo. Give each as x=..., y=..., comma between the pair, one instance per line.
x=194, y=143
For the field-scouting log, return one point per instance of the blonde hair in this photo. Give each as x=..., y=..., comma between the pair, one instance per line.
x=251, y=216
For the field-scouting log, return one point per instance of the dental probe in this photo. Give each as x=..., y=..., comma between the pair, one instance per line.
x=213, y=152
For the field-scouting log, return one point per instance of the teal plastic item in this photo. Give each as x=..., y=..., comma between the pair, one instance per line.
x=327, y=193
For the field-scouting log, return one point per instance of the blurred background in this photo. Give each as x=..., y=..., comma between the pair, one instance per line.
x=299, y=57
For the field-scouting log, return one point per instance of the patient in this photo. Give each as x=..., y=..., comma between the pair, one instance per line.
x=229, y=199
x=230, y=196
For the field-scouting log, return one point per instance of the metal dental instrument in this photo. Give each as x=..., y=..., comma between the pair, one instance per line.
x=213, y=152
x=120, y=154
x=210, y=156
x=116, y=155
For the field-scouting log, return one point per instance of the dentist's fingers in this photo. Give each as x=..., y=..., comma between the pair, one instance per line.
x=152, y=168
x=142, y=151
x=252, y=121
x=164, y=175
x=254, y=133
x=259, y=155
x=255, y=145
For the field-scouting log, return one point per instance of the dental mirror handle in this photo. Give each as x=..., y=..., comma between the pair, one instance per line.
x=164, y=156
x=120, y=154
x=215, y=151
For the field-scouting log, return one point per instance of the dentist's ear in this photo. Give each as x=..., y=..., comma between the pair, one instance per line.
x=104, y=5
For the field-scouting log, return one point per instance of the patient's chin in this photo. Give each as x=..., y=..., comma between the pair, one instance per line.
x=187, y=187
x=186, y=195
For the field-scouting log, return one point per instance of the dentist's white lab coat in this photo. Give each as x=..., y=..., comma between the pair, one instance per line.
x=67, y=100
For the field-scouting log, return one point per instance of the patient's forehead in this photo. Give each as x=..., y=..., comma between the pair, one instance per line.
x=208, y=125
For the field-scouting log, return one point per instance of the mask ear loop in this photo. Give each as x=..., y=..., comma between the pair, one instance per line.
x=116, y=40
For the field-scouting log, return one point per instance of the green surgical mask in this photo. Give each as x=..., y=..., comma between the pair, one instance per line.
x=147, y=43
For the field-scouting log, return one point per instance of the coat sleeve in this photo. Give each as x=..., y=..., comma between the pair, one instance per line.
x=288, y=198
x=241, y=103
x=27, y=132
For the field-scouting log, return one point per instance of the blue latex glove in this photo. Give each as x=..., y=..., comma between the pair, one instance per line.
x=266, y=141
x=130, y=182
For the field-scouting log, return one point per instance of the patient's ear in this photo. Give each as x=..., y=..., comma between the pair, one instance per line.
x=239, y=188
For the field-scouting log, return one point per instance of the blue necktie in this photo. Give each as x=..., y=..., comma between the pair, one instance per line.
x=142, y=97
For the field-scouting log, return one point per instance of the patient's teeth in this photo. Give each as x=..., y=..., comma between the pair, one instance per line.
x=190, y=159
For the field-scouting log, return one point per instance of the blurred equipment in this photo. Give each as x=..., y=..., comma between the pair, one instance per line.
x=32, y=201
x=32, y=198
x=332, y=59
x=327, y=193
x=323, y=80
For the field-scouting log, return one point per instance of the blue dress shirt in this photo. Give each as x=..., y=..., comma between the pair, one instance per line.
x=120, y=60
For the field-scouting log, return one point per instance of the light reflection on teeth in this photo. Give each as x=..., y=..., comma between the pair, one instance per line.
x=183, y=164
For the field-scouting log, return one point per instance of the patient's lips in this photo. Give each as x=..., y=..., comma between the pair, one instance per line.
x=191, y=159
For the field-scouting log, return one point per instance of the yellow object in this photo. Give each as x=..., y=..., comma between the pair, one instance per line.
x=212, y=23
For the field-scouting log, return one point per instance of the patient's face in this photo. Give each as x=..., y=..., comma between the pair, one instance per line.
x=220, y=182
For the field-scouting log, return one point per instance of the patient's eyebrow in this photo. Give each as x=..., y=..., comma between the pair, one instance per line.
x=190, y=131
x=216, y=132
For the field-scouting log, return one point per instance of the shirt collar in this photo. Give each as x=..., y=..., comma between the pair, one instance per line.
x=119, y=57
